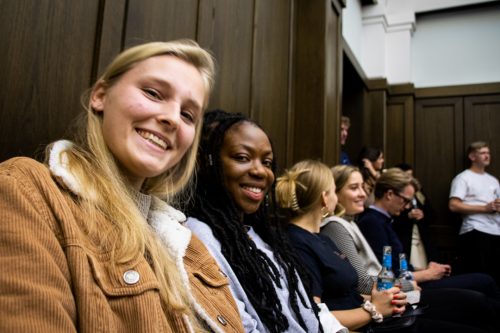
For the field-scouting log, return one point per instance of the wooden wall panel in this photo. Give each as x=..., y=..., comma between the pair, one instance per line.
x=353, y=91
x=278, y=61
x=394, y=151
x=152, y=20
x=316, y=82
x=374, y=117
x=270, y=103
x=333, y=82
x=438, y=129
x=110, y=38
x=45, y=64
x=399, y=128
x=438, y=133
x=226, y=28
x=482, y=122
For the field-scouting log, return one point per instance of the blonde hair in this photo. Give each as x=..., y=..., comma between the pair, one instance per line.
x=300, y=188
x=105, y=192
x=396, y=180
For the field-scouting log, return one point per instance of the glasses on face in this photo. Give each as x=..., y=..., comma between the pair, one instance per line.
x=406, y=200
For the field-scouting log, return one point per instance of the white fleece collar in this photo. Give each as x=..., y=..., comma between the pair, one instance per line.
x=165, y=220
x=58, y=165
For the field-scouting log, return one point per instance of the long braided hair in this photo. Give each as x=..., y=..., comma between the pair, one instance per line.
x=213, y=204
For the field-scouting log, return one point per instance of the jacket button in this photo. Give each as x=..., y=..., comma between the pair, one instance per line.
x=222, y=320
x=131, y=277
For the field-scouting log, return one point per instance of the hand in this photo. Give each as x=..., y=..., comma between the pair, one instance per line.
x=437, y=271
x=416, y=214
x=492, y=207
x=368, y=164
x=388, y=302
x=497, y=205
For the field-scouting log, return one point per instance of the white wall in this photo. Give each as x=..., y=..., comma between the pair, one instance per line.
x=456, y=48
x=435, y=49
x=352, y=26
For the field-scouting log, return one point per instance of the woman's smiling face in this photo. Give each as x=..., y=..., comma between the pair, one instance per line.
x=352, y=196
x=150, y=115
x=247, y=158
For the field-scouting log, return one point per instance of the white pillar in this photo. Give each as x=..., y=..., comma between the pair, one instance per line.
x=387, y=31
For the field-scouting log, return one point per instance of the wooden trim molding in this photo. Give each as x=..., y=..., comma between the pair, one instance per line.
x=401, y=89
x=460, y=90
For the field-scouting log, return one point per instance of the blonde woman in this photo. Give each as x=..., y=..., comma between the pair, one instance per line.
x=87, y=240
x=306, y=193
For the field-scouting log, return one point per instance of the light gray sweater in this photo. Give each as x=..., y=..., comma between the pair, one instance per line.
x=251, y=320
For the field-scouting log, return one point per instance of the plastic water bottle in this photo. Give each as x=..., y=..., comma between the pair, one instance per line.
x=404, y=273
x=385, y=279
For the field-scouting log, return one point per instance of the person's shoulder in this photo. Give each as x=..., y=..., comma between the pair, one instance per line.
x=21, y=165
x=463, y=174
x=493, y=178
x=333, y=224
x=368, y=214
x=24, y=170
x=298, y=234
x=195, y=224
x=203, y=232
x=371, y=218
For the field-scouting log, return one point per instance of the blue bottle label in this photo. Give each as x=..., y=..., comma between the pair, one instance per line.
x=384, y=285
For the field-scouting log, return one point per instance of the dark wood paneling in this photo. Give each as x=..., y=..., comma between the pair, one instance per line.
x=353, y=90
x=316, y=82
x=461, y=90
x=394, y=152
x=45, y=64
x=482, y=122
x=438, y=131
x=374, y=116
x=160, y=20
x=309, y=85
x=333, y=83
x=110, y=38
x=278, y=61
x=270, y=105
x=226, y=28
x=399, y=128
x=438, y=138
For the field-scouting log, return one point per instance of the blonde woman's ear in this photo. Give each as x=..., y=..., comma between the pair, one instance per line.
x=324, y=199
x=98, y=96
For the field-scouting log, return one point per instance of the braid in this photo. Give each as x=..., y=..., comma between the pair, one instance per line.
x=214, y=205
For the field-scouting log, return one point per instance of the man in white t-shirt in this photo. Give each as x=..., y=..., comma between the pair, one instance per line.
x=476, y=195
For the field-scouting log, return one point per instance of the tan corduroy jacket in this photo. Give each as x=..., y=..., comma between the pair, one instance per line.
x=53, y=280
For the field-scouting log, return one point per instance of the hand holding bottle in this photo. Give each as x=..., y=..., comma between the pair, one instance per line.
x=388, y=302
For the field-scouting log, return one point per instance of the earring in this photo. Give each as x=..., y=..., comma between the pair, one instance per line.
x=326, y=213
